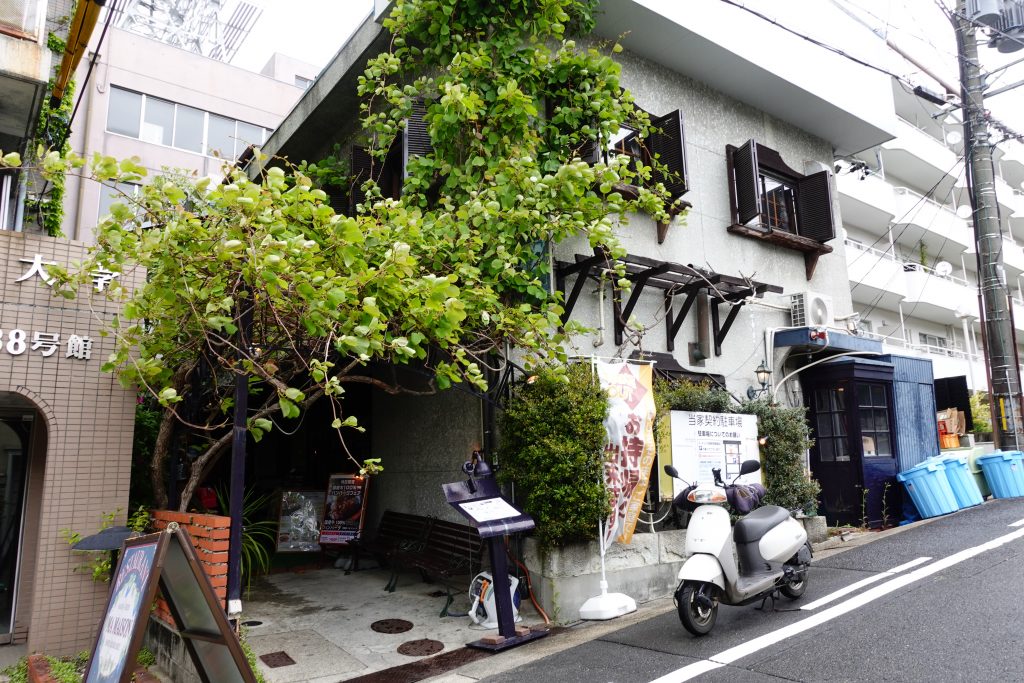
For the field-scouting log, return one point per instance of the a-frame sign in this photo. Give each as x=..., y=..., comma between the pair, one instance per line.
x=167, y=560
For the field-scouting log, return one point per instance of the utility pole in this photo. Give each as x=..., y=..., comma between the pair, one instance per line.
x=996, y=314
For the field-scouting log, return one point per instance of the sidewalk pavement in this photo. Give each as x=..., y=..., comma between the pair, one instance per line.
x=321, y=619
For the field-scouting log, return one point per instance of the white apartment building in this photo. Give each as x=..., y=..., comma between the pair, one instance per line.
x=172, y=109
x=910, y=248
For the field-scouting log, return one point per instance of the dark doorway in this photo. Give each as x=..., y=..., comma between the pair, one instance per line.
x=15, y=438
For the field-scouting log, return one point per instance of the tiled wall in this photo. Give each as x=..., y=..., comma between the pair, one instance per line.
x=87, y=419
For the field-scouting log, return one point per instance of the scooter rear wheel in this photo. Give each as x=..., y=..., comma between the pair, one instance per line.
x=698, y=607
x=794, y=589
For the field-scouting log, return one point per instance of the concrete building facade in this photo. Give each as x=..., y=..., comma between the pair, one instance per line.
x=795, y=105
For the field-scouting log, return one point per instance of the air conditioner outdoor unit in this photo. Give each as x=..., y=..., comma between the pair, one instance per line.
x=809, y=309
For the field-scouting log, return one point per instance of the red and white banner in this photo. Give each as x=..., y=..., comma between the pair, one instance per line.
x=629, y=451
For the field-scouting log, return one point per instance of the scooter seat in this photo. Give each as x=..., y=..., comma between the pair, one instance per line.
x=758, y=523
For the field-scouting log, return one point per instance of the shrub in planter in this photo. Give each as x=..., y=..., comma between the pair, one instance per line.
x=552, y=446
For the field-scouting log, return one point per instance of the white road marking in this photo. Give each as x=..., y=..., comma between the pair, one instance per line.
x=853, y=587
x=1019, y=522
x=735, y=653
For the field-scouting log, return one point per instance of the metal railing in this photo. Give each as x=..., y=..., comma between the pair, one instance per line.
x=928, y=133
x=931, y=349
x=908, y=266
x=21, y=17
x=880, y=253
x=939, y=205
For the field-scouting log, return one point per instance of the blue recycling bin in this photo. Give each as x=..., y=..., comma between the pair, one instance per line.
x=1004, y=472
x=929, y=488
x=965, y=489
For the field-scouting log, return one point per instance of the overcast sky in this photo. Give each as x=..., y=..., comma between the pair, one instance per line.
x=314, y=30
x=310, y=30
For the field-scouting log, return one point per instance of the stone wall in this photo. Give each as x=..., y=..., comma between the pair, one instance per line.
x=564, y=578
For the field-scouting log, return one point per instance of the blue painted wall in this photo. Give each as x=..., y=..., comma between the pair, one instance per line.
x=917, y=433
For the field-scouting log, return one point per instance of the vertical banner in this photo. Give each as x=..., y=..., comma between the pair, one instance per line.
x=629, y=451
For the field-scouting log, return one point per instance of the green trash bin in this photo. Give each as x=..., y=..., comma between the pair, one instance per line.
x=975, y=468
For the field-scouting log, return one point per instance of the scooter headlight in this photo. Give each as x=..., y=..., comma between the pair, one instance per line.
x=706, y=496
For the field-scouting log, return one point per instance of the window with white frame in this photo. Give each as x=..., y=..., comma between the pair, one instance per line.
x=118, y=192
x=167, y=123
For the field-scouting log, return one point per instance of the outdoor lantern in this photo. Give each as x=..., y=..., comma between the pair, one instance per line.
x=763, y=375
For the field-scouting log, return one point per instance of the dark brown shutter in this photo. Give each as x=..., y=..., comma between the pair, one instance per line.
x=362, y=167
x=814, y=207
x=416, y=139
x=669, y=146
x=590, y=152
x=748, y=195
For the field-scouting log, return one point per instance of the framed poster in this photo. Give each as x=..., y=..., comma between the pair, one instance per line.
x=131, y=587
x=298, y=528
x=344, y=509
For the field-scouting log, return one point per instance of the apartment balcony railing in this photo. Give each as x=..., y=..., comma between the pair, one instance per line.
x=867, y=202
x=876, y=274
x=916, y=154
x=922, y=219
x=940, y=297
x=22, y=18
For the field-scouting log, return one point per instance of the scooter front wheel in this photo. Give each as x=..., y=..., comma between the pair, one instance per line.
x=698, y=607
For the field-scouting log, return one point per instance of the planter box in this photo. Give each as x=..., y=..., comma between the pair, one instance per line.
x=564, y=578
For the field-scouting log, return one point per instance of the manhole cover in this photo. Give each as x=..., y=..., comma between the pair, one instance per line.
x=277, y=659
x=420, y=648
x=391, y=626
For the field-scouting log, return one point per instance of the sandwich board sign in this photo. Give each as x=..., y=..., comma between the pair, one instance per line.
x=166, y=560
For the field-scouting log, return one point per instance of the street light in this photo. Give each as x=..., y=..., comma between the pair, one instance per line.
x=763, y=376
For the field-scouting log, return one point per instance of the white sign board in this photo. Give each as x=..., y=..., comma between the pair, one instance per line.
x=705, y=441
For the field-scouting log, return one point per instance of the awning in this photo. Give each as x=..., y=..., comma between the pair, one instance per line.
x=800, y=339
x=82, y=24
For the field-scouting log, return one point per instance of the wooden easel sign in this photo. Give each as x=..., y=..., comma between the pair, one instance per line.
x=166, y=560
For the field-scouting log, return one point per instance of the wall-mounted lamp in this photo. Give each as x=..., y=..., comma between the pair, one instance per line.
x=763, y=376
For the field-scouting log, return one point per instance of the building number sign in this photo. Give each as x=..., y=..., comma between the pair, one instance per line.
x=18, y=341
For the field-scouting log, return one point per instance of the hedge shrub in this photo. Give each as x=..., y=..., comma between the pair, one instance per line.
x=552, y=445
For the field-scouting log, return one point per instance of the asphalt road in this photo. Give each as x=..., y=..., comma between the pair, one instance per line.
x=957, y=616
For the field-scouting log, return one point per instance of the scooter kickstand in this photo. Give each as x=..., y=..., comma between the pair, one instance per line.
x=770, y=596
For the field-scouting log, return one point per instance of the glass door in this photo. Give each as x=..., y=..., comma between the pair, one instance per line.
x=835, y=465
x=13, y=477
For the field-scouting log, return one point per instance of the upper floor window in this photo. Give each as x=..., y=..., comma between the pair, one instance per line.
x=167, y=123
x=773, y=202
x=666, y=144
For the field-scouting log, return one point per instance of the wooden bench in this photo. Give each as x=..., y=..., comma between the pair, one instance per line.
x=396, y=532
x=449, y=550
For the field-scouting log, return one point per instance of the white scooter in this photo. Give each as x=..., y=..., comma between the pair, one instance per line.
x=767, y=551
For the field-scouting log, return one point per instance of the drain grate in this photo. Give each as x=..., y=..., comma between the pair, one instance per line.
x=252, y=622
x=391, y=626
x=420, y=648
x=277, y=659
x=436, y=594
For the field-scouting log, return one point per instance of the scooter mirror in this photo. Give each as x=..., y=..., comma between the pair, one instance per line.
x=671, y=471
x=749, y=466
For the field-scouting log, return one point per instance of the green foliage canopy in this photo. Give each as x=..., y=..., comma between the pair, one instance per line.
x=444, y=277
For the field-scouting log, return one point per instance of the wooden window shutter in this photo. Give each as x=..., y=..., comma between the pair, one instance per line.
x=669, y=146
x=814, y=207
x=362, y=168
x=590, y=152
x=745, y=177
x=416, y=138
